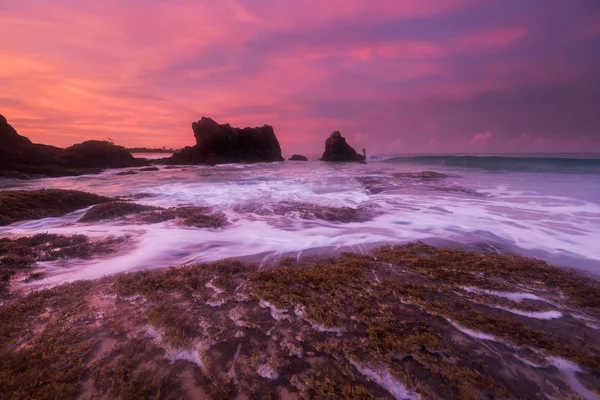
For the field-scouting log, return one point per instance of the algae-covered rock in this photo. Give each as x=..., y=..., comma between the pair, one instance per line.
x=20, y=205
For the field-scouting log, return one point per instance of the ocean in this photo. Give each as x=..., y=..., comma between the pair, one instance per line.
x=545, y=206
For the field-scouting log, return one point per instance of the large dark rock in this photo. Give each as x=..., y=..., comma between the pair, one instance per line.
x=17, y=150
x=219, y=144
x=22, y=159
x=297, y=157
x=97, y=154
x=336, y=149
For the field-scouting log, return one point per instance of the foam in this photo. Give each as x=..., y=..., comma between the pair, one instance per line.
x=277, y=313
x=545, y=315
x=514, y=296
x=267, y=371
x=300, y=312
x=524, y=216
x=472, y=333
x=210, y=285
x=570, y=371
x=383, y=378
x=191, y=355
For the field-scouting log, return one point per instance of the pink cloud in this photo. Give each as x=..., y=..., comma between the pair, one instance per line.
x=77, y=70
x=481, y=138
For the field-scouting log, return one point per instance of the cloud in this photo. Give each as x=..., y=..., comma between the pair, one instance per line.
x=409, y=71
x=481, y=138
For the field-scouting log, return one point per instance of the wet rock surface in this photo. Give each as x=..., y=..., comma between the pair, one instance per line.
x=131, y=213
x=114, y=210
x=221, y=143
x=19, y=256
x=307, y=211
x=404, y=322
x=20, y=205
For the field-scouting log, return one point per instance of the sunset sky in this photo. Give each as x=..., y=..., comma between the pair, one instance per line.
x=393, y=76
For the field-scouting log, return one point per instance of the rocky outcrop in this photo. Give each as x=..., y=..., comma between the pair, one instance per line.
x=297, y=157
x=97, y=154
x=336, y=149
x=20, y=158
x=219, y=144
x=18, y=150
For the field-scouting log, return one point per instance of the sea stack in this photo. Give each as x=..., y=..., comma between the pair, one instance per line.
x=337, y=150
x=221, y=144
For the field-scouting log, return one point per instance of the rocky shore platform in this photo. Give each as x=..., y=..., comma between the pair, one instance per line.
x=409, y=321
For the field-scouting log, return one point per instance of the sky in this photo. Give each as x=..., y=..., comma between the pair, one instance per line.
x=412, y=76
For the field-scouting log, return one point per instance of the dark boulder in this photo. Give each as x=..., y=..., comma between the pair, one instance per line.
x=219, y=144
x=336, y=149
x=97, y=154
x=298, y=157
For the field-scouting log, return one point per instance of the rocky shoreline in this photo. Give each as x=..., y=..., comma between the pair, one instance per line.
x=410, y=321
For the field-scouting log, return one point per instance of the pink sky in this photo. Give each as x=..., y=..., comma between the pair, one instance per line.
x=393, y=76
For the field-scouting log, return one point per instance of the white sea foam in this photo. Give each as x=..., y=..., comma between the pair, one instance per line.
x=277, y=313
x=267, y=371
x=474, y=334
x=211, y=285
x=383, y=378
x=552, y=314
x=514, y=296
x=522, y=214
x=192, y=355
x=570, y=371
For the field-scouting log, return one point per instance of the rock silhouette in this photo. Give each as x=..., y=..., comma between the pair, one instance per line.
x=219, y=144
x=337, y=150
x=298, y=157
x=20, y=158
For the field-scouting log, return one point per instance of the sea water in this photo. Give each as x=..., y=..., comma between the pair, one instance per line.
x=539, y=206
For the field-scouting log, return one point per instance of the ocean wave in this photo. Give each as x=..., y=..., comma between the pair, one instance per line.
x=504, y=163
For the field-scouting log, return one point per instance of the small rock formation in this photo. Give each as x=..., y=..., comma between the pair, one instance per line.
x=20, y=158
x=220, y=144
x=336, y=149
x=297, y=157
x=97, y=154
